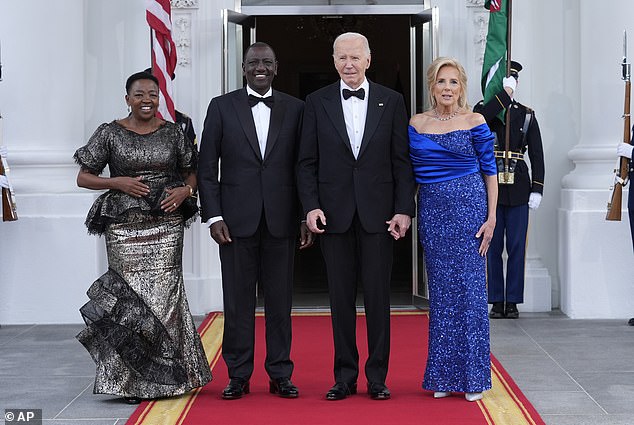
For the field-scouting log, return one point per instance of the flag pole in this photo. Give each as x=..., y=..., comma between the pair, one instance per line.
x=151, y=49
x=507, y=127
x=509, y=20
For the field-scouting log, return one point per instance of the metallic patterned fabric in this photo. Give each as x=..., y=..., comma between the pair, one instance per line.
x=159, y=158
x=140, y=332
x=450, y=212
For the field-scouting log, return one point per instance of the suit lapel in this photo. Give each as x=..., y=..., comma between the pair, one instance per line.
x=377, y=102
x=275, y=123
x=332, y=104
x=241, y=103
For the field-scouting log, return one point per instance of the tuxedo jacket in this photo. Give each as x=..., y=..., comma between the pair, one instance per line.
x=234, y=181
x=517, y=193
x=376, y=185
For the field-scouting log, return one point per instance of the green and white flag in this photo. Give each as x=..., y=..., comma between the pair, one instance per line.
x=494, y=66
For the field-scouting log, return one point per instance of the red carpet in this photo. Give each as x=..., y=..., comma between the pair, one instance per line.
x=312, y=354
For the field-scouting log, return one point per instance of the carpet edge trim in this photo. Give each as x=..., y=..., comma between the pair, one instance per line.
x=174, y=410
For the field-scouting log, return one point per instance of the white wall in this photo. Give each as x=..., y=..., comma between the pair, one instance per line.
x=64, y=69
x=65, y=64
x=42, y=98
x=463, y=26
x=595, y=256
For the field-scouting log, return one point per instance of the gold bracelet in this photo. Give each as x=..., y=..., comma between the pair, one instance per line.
x=191, y=190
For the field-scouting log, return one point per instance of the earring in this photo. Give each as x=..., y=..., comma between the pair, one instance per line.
x=129, y=109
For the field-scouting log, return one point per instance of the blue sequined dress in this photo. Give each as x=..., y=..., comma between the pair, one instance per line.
x=452, y=205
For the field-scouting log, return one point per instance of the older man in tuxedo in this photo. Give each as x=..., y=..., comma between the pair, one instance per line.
x=248, y=197
x=357, y=189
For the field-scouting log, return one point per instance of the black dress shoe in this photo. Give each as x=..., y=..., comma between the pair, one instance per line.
x=237, y=388
x=378, y=391
x=341, y=390
x=283, y=387
x=497, y=311
x=631, y=322
x=132, y=400
x=511, y=311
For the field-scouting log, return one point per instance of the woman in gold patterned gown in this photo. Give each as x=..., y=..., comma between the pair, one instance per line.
x=139, y=331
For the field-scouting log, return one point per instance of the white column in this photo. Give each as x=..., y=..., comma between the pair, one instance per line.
x=64, y=68
x=197, y=33
x=535, y=49
x=595, y=256
x=538, y=281
x=45, y=257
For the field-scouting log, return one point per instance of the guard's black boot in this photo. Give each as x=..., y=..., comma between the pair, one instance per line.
x=511, y=311
x=497, y=311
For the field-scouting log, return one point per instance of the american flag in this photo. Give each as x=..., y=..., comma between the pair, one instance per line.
x=158, y=15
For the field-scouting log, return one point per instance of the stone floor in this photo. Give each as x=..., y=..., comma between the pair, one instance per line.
x=575, y=372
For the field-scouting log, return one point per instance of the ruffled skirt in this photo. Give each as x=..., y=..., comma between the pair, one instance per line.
x=140, y=332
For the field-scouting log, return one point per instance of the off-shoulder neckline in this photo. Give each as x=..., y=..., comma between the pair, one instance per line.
x=448, y=132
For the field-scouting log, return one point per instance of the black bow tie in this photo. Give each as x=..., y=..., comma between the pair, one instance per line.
x=358, y=93
x=253, y=100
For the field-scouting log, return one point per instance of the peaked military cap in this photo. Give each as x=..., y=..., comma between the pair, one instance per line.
x=516, y=67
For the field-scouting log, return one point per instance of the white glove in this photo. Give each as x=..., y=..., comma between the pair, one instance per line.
x=509, y=82
x=625, y=149
x=534, y=200
x=3, y=151
x=4, y=181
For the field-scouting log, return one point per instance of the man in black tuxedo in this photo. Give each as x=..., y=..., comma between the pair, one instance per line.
x=253, y=214
x=357, y=189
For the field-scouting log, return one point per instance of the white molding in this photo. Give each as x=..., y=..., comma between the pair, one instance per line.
x=481, y=28
x=184, y=4
x=382, y=9
x=593, y=163
x=181, y=28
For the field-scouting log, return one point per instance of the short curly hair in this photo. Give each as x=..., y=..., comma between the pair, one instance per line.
x=139, y=76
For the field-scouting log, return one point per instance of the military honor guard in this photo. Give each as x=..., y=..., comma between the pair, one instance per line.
x=519, y=190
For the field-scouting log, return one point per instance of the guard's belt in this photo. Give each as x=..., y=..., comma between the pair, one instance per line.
x=511, y=155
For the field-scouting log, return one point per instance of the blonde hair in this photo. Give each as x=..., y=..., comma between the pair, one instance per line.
x=432, y=76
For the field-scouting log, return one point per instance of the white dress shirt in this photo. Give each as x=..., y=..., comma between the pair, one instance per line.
x=261, y=117
x=354, y=113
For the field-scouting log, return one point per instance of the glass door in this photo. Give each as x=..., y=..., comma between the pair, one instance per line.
x=279, y=24
x=238, y=32
x=424, y=49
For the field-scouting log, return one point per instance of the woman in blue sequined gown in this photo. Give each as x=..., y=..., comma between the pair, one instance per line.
x=452, y=155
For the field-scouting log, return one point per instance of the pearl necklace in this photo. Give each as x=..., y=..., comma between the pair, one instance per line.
x=439, y=118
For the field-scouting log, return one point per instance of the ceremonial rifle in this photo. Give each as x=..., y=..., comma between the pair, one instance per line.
x=9, y=212
x=621, y=174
